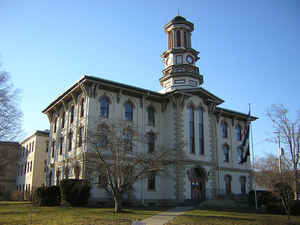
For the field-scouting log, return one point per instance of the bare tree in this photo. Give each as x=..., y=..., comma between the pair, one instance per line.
x=121, y=160
x=288, y=132
x=278, y=181
x=10, y=114
x=268, y=174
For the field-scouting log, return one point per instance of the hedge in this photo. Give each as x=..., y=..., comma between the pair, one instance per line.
x=74, y=192
x=46, y=196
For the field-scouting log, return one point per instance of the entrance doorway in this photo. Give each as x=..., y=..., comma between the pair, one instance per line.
x=198, y=179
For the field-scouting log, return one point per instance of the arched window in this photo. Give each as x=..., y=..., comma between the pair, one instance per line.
x=70, y=141
x=200, y=131
x=240, y=154
x=228, y=179
x=238, y=130
x=151, y=181
x=128, y=111
x=191, y=130
x=178, y=38
x=80, y=136
x=128, y=136
x=54, y=126
x=72, y=114
x=61, y=145
x=243, y=184
x=226, y=153
x=82, y=108
x=50, y=178
x=224, y=129
x=63, y=119
x=104, y=107
x=67, y=172
x=57, y=177
x=151, y=116
x=185, y=39
x=151, y=141
x=53, y=149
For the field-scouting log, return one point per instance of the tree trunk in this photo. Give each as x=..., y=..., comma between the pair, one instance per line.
x=118, y=203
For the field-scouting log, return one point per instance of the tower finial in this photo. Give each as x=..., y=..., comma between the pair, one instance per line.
x=178, y=12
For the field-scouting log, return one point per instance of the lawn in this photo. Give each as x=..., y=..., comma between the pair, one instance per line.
x=23, y=213
x=231, y=217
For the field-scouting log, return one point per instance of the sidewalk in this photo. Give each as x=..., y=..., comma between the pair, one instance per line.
x=164, y=217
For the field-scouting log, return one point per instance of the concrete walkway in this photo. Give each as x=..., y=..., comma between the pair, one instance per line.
x=164, y=217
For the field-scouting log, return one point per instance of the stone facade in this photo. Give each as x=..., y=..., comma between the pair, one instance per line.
x=203, y=170
x=8, y=172
x=32, y=164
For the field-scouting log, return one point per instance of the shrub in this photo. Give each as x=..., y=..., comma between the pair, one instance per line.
x=16, y=196
x=46, y=196
x=263, y=198
x=295, y=207
x=75, y=192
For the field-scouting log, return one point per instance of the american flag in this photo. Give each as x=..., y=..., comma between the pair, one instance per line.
x=245, y=144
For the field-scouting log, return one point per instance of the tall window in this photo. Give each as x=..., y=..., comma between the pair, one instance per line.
x=25, y=168
x=55, y=125
x=72, y=114
x=238, y=130
x=104, y=107
x=228, y=179
x=128, y=111
x=53, y=149
x=61, y=145
x=200, y=130
x=151, y=181
x=80, y=136
x=243, y=184
x=128, y=140
x=224, y=128
x=191, y=130
x=70, y=141
x=63, y=119
x=31, y=166
x=151, y=116
x=47, y=146
x=239, y=154
x=226, y=153
x=178, y=38
x=185, y=39
x=32, y=146
x=82, y=108
x=151, y=142
x=57, y=177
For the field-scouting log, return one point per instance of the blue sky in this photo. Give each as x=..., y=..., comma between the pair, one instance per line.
x=249, y=50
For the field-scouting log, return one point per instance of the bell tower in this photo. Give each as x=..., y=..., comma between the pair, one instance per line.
x=180, y=71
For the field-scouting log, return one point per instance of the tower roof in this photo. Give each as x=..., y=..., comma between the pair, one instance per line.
x=179, y=20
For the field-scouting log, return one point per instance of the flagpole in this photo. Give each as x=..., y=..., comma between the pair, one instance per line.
x=252, y=149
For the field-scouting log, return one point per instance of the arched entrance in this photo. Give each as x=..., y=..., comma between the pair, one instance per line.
x=198, y=177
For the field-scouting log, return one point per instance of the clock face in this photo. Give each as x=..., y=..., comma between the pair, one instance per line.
x=189, y=59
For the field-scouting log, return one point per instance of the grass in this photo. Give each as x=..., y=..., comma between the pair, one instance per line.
x=231, y=217
x=22, y=213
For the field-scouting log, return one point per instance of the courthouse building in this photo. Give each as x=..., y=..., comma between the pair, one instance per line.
x=182, y=112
